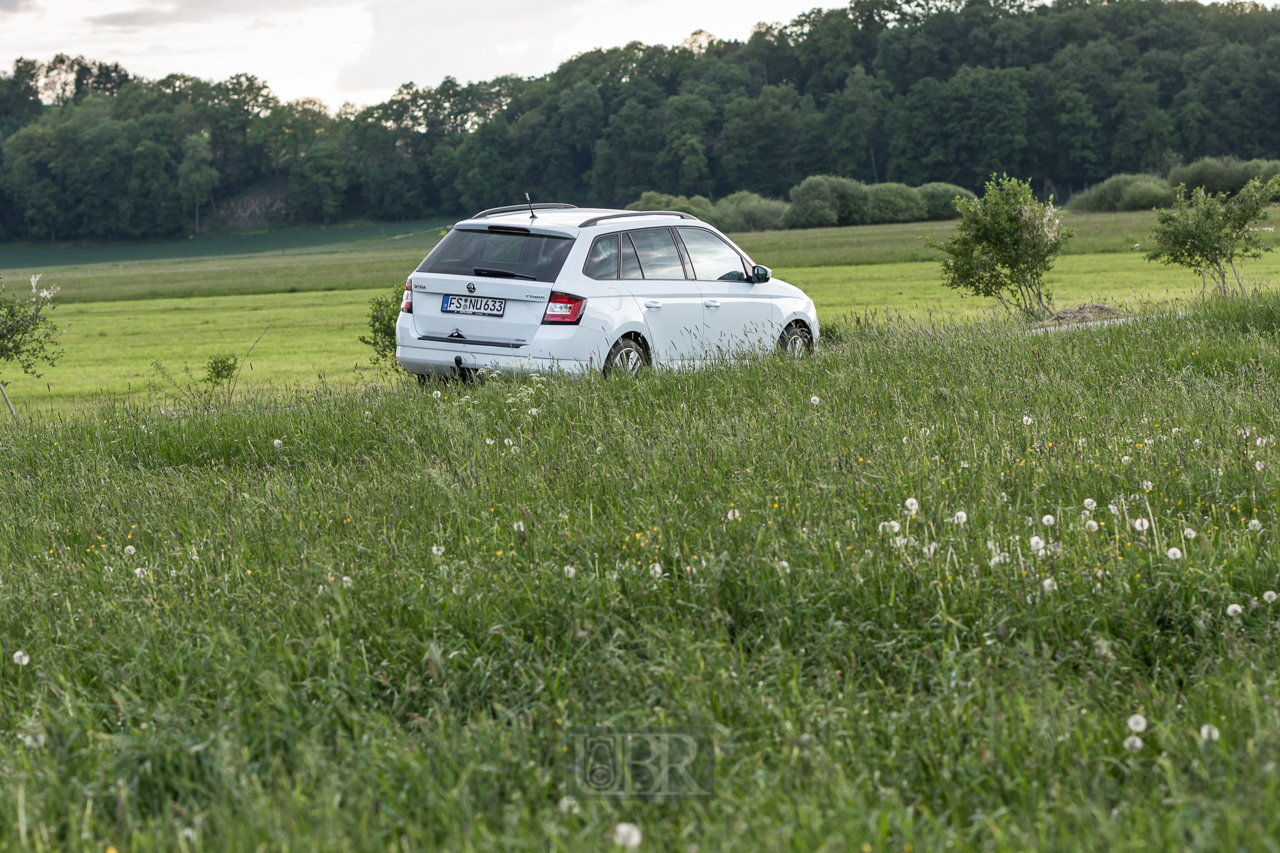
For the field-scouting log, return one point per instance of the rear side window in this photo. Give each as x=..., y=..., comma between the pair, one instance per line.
x=501, y=254
x=713, y=259
x=602, y=260
x=659, y=257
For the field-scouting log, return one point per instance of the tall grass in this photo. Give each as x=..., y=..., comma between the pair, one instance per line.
x=364, y=635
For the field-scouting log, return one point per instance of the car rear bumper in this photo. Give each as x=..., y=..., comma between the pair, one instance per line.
x=573, y=350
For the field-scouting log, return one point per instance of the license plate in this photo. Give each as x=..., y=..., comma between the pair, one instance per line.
x=474, y=305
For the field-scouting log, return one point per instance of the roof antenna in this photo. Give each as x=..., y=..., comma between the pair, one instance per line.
x=529, y=201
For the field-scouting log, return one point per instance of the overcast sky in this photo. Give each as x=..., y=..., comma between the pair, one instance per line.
x=338, y=50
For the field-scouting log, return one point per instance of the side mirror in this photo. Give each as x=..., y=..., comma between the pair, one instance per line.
x=761, y=274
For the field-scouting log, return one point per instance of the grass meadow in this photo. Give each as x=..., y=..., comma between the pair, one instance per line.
x=125, y=307
x=940, y=586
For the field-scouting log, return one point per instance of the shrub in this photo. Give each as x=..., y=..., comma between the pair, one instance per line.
x=1206, y=232
x=746, y=211
x=825, y=200
x=1110, y=194
x=27, y=335
x=384, y=311
x=1223, y=174
x=939, y=200
x=1144, y=195
x=1005, y=243
x=897, y=203
x=813, y=204
x=700, y=206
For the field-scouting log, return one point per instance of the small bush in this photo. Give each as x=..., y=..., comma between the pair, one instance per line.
x=939, y=200
x=746, y=211
x=384, y=311
x=700, y=206
x=897, y=203
x=1223, y=174
x=813, y=204
x=219, y=370
x=1109, y=194
x=1145, y=195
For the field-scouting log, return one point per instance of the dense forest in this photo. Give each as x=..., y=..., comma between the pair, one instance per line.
x=914, y=92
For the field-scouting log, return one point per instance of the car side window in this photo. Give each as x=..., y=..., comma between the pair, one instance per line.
x=713, y=259
x=659, y=257
x=602, y=260
x=630, y=263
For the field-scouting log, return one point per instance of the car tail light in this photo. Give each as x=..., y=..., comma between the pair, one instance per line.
x=407, y=305
x=564, y=310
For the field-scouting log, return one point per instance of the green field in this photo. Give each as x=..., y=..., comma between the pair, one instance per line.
x=341, y=618
x=124, y=307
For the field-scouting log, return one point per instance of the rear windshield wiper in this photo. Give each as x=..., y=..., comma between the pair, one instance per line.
x=502, y=273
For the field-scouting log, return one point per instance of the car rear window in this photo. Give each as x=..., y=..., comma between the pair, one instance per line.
x=501, y=254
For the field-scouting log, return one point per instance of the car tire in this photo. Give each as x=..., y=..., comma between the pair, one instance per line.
x=627, y=358
x=796, y=340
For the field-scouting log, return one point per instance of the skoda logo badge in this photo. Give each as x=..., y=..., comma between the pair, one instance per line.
x=471, y=287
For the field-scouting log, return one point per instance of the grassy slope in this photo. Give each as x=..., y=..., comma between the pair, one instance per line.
x=227, y=682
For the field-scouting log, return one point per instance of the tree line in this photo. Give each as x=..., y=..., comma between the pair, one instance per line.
x=913, y=92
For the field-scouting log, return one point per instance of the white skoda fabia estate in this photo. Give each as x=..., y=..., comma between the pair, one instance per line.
x=553, y=287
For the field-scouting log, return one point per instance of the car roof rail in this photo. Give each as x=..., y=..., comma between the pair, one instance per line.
x=596, y=220
x=516, y=208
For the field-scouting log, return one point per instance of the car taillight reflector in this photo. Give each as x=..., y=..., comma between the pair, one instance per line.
x=564, y=309
x=407, y=305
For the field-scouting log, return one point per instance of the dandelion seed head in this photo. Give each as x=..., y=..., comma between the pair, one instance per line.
x=960, y=517
x=815, y=399
x=129, y=550
x=534, y=411
x=655, y=570
x=1147, y=485
x=518, y=527
x=1133, y=743
x=1026, y=420
x=1259, y=465
x=1269, y=596
x=435, y=394
x=1234, y=610
x=21, y=658
x=1126, y=459
x=627, y=835
x=1090, y=504
x=1174, y=554
x=1209, y=732
x=438, y=550
x=733, y=515
x=1048, y=584
x=346, y=581
x=912, y=505
x=278, y=443
x=1036, y=543
x=508, y=442
x=1047, y=521
x=1091, y=525
x=1188, y=533
x=570, y=571
x=1141, y=525
x=1255, y=525
x=1137, y=723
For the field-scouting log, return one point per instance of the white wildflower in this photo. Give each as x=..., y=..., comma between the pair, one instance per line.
x=534, y=411
x=784, y=565
x=129, y=550
x=1259, y=465
x=1126, y=459
x=346, y=581
x=733, y=515
x=655, y=570
x=1209, y=732
x=1115, y=510
x=569, y=805
x=438, y=550
x=1188, y=533
x=1026, y=420
x=1049, y=584
x=1002, y=497
x=960, y=517
x=518, y=527
x=435, y=394
x=815, y=399
x=1147, y=485
x=508, y=442
x=278, y=443
x=570, y=571
x=21, y=658
x=1081, y=442
x=1255, y=525
x=627, y=835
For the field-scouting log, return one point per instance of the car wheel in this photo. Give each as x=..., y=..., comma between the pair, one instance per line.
x=796, y=340
x=627, y=358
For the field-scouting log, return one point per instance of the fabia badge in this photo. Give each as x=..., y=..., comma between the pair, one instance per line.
x=471, y=287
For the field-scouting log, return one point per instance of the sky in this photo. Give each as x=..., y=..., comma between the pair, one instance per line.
x=339, y=51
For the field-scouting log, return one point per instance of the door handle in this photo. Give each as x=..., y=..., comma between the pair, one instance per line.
x=712, y=303
x=653, y=303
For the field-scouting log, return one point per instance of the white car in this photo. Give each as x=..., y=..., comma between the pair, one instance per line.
x=548, y=287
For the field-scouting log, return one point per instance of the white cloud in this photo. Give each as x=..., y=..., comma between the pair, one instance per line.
x=359, y=50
